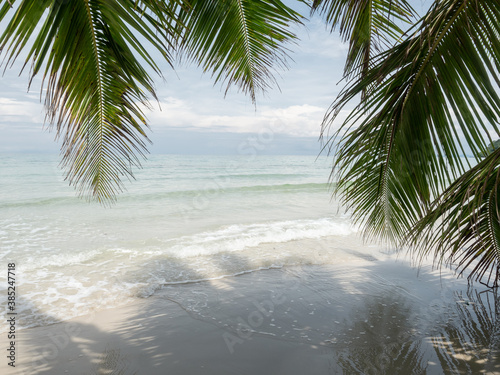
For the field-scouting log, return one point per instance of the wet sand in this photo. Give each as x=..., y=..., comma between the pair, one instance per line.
x=365, y=317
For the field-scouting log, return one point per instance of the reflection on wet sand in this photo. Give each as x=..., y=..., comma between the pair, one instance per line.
x=112, y=362
x=464, y=339
x=376, y=319
x=469, y=342
x=385, y=340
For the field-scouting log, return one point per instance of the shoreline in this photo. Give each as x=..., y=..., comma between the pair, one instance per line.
x=102, y=290
x=369, y=316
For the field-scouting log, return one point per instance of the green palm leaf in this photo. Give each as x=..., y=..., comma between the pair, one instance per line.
x=463, y=228
x=434, y=93
x=370, y=26
x=238, y=41
x=95, y=82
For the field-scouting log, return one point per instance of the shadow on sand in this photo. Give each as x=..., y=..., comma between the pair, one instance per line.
x=367, y=317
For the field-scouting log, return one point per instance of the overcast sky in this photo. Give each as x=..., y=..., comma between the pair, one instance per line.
x=196, y=118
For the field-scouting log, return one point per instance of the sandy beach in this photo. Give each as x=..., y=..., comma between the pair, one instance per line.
x=365, y=317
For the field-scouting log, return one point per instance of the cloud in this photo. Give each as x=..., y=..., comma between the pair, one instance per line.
x=296, y=120
x=20, y=111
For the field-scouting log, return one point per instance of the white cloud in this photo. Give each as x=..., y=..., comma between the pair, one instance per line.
x=20, y=111
x=296, y=120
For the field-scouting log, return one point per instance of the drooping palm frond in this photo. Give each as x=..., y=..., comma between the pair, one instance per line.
x=370, y=26
x=238, y=41
x=96, y=56
x=435, y=93
x=463, y=226
x=89, y=51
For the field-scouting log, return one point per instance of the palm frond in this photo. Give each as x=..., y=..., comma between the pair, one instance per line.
x=239, y=41
x=435, y=93
x=89, y=53
x=463, y=227
x=370, y=26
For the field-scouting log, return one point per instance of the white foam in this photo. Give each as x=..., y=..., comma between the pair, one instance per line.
x=239, y=237
x=59, y=260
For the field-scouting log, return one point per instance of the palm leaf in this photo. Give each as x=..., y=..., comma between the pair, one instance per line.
x=467, y=232
x=401, y=146
x=238, y=41
x=370, y=26
x=89, y=52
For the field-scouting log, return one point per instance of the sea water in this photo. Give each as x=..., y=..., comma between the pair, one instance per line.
x=183, y=219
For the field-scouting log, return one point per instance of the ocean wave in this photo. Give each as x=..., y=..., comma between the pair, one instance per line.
x=238, y=237
x=261, y=175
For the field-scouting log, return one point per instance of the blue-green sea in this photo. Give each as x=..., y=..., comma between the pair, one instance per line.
x=183, y=219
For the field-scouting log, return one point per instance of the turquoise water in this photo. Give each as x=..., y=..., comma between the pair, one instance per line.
x=184, y=218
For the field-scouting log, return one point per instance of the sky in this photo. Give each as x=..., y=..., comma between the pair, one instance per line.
x=197, y=117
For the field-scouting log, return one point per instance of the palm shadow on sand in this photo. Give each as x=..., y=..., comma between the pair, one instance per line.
x=378, y=318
